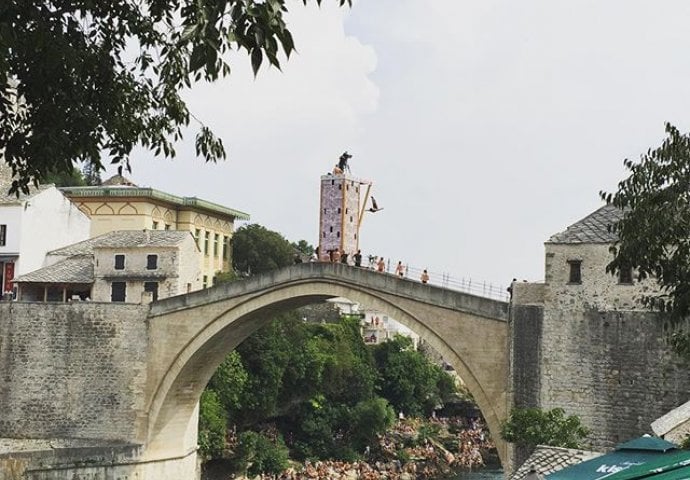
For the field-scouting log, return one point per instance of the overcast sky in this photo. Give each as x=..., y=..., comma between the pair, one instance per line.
x=486, y=126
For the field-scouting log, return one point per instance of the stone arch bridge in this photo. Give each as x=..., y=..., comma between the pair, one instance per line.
x=150, y=363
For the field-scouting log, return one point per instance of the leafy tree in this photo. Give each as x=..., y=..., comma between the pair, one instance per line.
x=654, y=231
x=257, y=453
x=65, y=178
x=303, y=247
x=255, y=249
x=82, y=80
x=529, y=427
x=213, y=420
x=229, y=382
x=408, y=380
x=368, y=419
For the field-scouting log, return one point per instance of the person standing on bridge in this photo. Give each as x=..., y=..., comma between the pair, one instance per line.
x=400, y=269
x=381, y=265
x=357, y=257
x=425, y=277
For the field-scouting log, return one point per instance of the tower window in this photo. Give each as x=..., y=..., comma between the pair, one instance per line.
x=340, y=187
x=575, y=271
x=151, y=262
x=331, y=229
x=338, y=234
x=351, y=219
x=339, y=210
x=119, y=262
x=332, y=182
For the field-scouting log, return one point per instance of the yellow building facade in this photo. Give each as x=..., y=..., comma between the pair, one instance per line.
x=125, y=206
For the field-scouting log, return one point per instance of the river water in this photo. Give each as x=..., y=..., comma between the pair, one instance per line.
x=484, y=474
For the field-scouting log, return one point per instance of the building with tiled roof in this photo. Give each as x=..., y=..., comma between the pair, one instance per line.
x=594, y=228
x=117, y=266
x=31, y=224
x=119, y=204
x=584, y=343
x=576, y=261
x=545, y=460
x=674, y=426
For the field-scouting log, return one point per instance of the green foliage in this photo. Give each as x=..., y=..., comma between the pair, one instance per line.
x=229, y=382
x=303, y=247
x=316, y=383
x=65, y=178
x=225, y=277
x=83, y=80
x=530, y=427
x=213, y=420
x=408, y=380
x=368, y=419
x=255, y=249
x=654, y=231
x=257, y=453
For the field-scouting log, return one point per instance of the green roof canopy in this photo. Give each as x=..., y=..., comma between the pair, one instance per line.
x=647, y=443
x=675, y=465
x=627, y=455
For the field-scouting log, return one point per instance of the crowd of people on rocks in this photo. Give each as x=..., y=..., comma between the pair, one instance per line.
x=425, y=460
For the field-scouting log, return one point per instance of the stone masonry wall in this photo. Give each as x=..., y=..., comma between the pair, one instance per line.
x=73, y=370
x=613, y=369
x=604, y=357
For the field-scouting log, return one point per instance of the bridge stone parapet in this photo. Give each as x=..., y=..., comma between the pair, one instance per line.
x=361, y=278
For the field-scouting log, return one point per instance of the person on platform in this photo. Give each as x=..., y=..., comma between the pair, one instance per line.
x=381, y=265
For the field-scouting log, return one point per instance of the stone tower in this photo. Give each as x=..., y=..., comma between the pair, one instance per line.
x=340, y=213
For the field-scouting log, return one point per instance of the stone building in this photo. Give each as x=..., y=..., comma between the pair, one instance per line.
x=32, y=224
x=119, y=204
x=117, y=266
x=584, y=343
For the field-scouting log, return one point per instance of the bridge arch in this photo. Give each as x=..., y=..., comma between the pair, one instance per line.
x=191, y=335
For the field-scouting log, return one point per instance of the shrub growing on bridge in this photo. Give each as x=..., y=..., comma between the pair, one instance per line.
x=529, y=427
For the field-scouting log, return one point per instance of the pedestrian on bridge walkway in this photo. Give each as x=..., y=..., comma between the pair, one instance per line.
x=400, y=269
x=425, y=277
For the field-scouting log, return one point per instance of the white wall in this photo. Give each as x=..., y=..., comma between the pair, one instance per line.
x=11, y=215
x=49, y=221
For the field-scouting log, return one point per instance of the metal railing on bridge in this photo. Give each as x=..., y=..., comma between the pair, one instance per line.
x=468, y=285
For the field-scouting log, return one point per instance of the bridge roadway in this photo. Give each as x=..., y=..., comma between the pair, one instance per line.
x=189, y=335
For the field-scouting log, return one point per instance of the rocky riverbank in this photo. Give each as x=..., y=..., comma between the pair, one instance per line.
x=412, y=449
